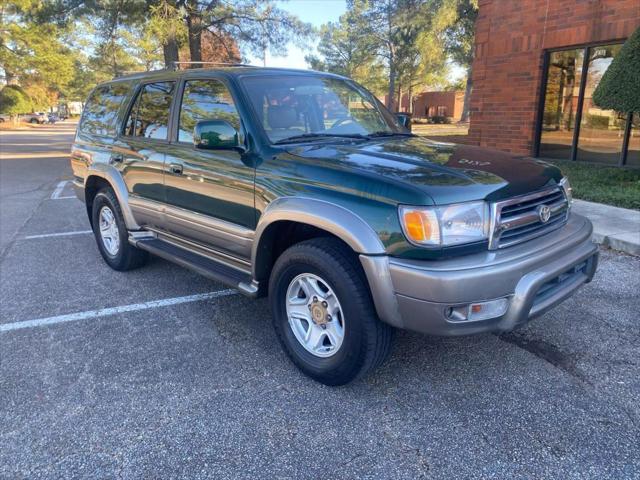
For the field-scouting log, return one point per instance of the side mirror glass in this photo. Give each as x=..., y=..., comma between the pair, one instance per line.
x=404, y=119
x=215, y=135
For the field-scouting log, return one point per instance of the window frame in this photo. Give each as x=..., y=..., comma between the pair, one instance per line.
x=132, y=102
x=546, y=61
x=173, y=134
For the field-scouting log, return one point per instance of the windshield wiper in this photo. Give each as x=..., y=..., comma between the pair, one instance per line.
x=385, y=133
x=306, y=136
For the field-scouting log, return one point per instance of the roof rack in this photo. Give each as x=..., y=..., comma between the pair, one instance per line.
x=198, y=62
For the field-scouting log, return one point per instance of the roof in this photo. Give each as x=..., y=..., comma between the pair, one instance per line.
x=233, y=70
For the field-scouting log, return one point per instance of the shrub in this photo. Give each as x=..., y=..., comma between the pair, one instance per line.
x=13, y=101
x=598, y=121
x=619, y=88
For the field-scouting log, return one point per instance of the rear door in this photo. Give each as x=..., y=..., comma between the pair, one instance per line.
x=140, y=150
x=209, y=193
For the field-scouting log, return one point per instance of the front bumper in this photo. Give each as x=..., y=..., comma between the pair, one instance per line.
x=534, y=276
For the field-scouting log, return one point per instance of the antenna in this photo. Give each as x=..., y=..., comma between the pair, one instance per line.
x=176, y=64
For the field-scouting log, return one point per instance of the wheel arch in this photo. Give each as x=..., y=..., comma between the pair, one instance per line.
x=317, y=217
x=100, y=176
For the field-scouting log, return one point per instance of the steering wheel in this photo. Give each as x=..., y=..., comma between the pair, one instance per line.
x=340, y=121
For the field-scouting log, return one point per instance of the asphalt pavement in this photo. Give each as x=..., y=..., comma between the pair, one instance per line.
x=106, y=374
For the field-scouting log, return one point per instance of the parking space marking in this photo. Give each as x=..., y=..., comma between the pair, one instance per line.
x=62, y=234
x=58, y=191
x=104, y=312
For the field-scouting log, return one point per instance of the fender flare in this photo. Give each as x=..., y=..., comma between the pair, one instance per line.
x=114, y=178
x=337, y=220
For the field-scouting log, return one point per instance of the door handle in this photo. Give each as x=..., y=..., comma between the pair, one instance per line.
x=117, y=158
x=175, y=168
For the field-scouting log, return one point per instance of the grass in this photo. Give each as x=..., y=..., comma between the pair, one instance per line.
x=603, y=184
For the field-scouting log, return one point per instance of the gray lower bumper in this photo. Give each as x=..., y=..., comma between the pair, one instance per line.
x=535, y=276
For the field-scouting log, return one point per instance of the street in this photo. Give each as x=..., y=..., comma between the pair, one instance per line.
x=105, y=374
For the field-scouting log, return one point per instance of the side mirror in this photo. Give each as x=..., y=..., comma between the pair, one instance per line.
x=215, y=135
x=404, y=119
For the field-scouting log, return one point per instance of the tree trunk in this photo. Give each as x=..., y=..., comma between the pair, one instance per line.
x=170, y=50
x=410, y=94
x=399, y=97
x=392, y=81
x=466, y=104
x=194, y=25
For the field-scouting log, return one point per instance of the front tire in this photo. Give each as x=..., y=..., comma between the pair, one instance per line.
x=112, y=235
x=323, y=313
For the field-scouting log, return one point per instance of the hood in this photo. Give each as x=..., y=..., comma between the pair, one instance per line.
x=446, y=172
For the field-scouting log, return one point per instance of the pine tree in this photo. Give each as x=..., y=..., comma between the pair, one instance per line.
x=619, y=88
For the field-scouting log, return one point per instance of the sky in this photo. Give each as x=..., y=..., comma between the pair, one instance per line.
x=317, y=12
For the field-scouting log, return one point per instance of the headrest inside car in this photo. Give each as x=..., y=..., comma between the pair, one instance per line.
x=281, y=116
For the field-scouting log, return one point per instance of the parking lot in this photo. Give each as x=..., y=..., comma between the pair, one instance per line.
x=158, y=372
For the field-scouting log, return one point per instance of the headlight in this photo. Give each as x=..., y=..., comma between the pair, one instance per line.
x=446, y=225
x=566, y=187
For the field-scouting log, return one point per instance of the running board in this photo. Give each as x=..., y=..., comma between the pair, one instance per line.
x=205, y=266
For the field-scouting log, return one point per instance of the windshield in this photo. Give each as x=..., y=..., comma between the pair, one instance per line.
x=289, y=107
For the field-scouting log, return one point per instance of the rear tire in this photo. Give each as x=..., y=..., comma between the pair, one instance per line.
x=341, y=287
x=112, y=235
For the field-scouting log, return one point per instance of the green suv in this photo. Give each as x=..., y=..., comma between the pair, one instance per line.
x=301, y=186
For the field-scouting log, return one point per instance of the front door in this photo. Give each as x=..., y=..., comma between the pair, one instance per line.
x=209, y=193
x=139, y=151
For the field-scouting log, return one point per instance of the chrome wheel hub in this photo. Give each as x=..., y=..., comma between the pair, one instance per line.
x=109, y=233
x=315, y=315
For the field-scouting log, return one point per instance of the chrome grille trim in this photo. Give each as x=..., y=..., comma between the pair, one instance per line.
x=516, y=219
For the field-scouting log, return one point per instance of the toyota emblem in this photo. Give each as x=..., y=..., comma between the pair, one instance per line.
x=544, y=213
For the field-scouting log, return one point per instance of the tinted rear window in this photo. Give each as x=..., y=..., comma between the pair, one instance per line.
x=101, y=110
x=149, y=117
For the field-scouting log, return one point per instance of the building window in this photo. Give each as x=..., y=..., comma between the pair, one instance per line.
x=561, y=103
x=572, y=127
x=601, y=131
x=442, y=111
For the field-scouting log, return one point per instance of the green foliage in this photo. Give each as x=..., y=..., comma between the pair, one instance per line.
x=346, y=51
x=454, y=22
x=599, y=183
x=14, y=101
x=619, y=88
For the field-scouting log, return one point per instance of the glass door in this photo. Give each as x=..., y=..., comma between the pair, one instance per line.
x=601, y=131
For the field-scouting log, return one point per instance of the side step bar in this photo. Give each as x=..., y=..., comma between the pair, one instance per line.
x=205, y=266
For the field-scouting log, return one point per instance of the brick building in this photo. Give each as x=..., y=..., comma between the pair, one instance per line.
x=536, y=65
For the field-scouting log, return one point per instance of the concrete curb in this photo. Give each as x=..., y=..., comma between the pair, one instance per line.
x=613, y=227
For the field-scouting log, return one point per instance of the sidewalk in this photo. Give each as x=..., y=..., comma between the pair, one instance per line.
x=614, y=227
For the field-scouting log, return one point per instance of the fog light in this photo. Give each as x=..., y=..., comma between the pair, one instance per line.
x=478, y=311
x=485, y=310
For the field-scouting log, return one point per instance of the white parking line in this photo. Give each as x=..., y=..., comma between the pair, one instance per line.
x=58, y=191
x=93, y=314
x=63, y=234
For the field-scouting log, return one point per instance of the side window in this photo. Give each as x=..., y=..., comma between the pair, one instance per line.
x=149, y=117
x=205, y=100
x=101, y=110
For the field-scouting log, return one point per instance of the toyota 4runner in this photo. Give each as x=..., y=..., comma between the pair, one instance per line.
x=301, y=186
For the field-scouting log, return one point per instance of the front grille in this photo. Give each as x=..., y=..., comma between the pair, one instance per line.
x=519, y=219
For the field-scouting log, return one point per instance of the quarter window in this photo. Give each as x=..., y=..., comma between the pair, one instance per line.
x=149, y=117
x=205, y=100
x=101, y=110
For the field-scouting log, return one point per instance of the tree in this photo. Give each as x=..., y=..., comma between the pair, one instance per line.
x=14, y=101
x=346, y=51
x=31, y=48
x=619, y=88
x=455, y=21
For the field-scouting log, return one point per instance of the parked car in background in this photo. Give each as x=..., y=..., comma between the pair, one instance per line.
x=53, y=118
x=302, y=186
x=35, y=117
x=4, y=118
